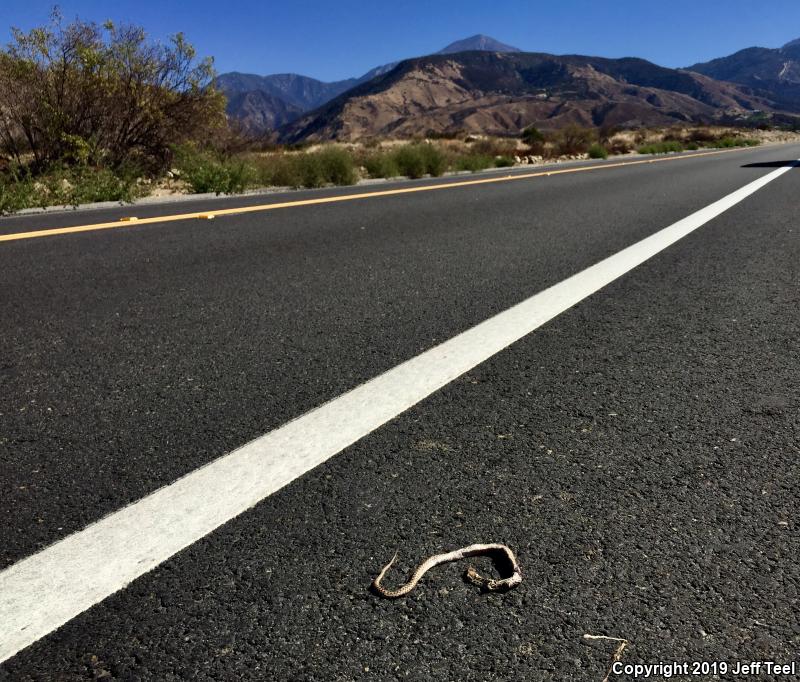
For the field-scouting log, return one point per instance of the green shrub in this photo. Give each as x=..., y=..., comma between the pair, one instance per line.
x=381, y=165
x=329, y=166
x=728, y=142
x=503, y=161
x=532, y=136
x=663, y=147
x=277, y=170
x=598, y=151
x=18, y=194
x=474, y=162
x=241, y=175
x=311, y=170
x=207, y=172
x=435, y=160
x=338, y=167
x=410, y=161
x=65, y=186
x=205, y=177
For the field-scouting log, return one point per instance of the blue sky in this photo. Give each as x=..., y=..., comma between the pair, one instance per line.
x=333, y=40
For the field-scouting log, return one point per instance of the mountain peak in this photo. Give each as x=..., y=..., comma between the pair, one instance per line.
x=478, y=42
x=792, y=43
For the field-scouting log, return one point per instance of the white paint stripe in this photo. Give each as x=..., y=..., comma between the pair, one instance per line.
x=44, y=591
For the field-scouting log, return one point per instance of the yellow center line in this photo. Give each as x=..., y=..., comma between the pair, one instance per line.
x=330, y=200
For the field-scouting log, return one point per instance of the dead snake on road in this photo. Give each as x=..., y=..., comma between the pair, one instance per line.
x=488, y=584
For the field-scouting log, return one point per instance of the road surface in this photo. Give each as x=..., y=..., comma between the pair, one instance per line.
x=639, y=450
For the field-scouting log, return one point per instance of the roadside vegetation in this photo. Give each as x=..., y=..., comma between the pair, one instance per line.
x=689, y=140
x=87, y=111
x=205, y=170
x=100, y=113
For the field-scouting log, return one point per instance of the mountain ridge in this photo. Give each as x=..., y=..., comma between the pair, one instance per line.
x=306, y=93
x=501, y=93
x=757, y=79
x=775, y=71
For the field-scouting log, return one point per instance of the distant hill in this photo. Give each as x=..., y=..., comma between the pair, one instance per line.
x=501, y=93
x=256, y=111
x=299, y=91
x=479, y=42
x=286, y=96
x=774, y=73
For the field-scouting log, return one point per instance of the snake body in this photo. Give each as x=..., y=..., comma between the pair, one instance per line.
x=489, y=584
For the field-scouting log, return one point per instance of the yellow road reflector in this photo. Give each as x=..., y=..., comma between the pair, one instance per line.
x=206, y=216
x=128, y=219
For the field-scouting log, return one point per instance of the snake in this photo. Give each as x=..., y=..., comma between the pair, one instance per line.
x=471, y=575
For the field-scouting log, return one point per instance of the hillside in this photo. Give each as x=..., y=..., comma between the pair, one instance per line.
x=772, y=72
x=262, y=103
x=501, y=93
x=256, y=111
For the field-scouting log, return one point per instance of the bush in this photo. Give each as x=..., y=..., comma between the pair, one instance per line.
x=474, y=162
x=663, y=147
x=532, y=136
x=574, y=140
x=337, y=166
x=241, y=175
x=415, y=160
x=65, y=186
x=598, y=151
x=93, y=95
x=310, y=170
x=329, y=166
x=435, y=160
x=728, y=141
x=381, y=165
x=494, y=147
x=410, y=161
x=86, y=185
x=503, y=161
x=207, y=172
x=276, y=170
x=18, y=194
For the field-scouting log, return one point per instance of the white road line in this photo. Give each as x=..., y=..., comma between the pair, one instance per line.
x=44, y=591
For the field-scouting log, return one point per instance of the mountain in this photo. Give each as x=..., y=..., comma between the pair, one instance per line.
x=262, y=103
x=774, y=73
x=501, y=93
x=298, y=91
x=479, y=42
x=285, y=96
x=256, y=111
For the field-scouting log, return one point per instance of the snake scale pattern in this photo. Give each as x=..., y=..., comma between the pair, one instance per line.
x=488, y=584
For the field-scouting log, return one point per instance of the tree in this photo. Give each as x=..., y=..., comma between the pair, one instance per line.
x=83, y=93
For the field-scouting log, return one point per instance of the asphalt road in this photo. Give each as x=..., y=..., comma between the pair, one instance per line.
x=639, y=452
